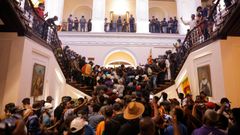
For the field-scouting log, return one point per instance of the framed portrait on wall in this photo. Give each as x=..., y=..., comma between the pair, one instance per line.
x=204, y=80
x=38, y=80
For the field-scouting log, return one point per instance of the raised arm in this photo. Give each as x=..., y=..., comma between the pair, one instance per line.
x=80, y=106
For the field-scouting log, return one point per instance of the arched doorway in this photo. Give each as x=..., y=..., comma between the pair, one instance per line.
x=83, y=11
x=157, y=12
x=119, y=57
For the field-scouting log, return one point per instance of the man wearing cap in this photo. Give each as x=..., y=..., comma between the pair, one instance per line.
x=49, y=99
x=132, y=113
x=79, y=126
x=46, y=115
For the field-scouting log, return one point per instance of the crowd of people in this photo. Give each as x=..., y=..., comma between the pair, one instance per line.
x=121, y=25
x=155, y=71
x=109, y=112
x=122, y=103
x=73, y=24
x=124, y=25
x=164, y=26
x=86, y=26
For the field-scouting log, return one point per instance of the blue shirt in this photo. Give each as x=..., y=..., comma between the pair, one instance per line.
x=170, y=131
x=89, y=130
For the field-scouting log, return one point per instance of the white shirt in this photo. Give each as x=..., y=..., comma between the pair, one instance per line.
x=191, y=23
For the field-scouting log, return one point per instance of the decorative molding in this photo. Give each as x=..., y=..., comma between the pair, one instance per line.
x=119, y=39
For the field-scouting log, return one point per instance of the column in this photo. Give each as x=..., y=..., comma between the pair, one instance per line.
x=98, y=15
x=184, y=9
x=142, y=16
x=55, y=8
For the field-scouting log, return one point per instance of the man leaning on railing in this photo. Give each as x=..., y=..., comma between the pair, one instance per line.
x=49, y=23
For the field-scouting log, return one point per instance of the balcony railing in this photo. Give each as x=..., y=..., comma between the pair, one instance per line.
x=42, y=31
x=205, y=32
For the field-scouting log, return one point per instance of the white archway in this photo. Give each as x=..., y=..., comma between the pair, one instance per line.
x=83, y=11
x=120, y=56
x=157, y=12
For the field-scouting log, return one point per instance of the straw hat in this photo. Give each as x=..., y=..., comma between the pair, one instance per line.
x=133, y=110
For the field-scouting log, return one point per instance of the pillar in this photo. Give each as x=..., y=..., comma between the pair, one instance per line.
x=55, y=8
x=142, y=16
x=184, y=9
x=98, y=15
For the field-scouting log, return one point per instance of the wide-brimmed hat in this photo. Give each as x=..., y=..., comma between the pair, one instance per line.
x=133, y=110
x=77, y=124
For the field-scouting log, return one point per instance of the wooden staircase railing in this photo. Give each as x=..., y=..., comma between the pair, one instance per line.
x=206, y=32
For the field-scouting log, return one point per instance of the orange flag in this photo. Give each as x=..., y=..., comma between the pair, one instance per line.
x=150, y=61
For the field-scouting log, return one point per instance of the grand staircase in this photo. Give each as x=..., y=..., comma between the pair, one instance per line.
x=16, y=19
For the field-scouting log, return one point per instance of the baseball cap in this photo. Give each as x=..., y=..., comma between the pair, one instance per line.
x=77, y=124
x=49, y=98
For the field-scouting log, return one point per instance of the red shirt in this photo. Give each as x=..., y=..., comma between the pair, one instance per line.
x=40, y=12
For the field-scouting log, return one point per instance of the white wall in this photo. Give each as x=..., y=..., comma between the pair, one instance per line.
x=55, y=8
x=17, y=57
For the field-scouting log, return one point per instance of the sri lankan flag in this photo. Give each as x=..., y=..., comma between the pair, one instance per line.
x=186, y=86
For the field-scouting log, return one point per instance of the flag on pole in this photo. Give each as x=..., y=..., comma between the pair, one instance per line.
x=186, y=86
x=150, y=61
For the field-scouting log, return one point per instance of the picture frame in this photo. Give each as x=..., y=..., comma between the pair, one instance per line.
x=204, y=80
x=38, y=78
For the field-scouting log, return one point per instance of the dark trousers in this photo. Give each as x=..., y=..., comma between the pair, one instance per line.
x=131, y=27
